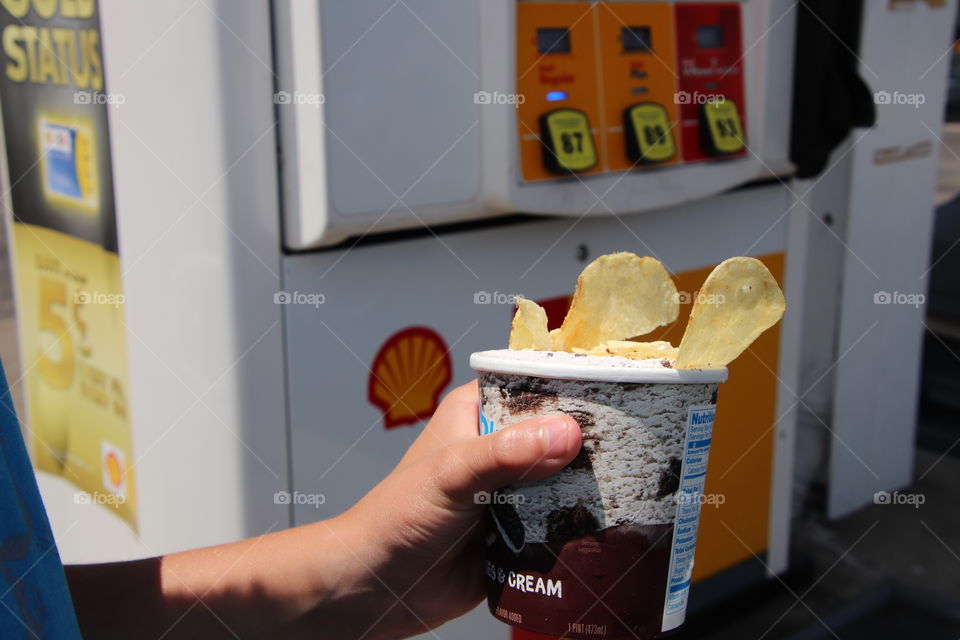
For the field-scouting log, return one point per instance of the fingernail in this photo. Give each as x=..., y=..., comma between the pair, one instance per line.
x=555, y=434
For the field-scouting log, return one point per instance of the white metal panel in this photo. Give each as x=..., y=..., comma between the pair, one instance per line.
x=195, y=166
x=403, y=138
x=302, y=133
x=399, y=80
x=792, y=332
x=888, y=236
x=817, y=227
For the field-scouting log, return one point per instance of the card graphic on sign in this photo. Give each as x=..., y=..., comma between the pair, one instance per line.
x=68, y=163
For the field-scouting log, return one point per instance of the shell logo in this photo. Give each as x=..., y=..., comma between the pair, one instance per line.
x=114, y=469
x=408, y=374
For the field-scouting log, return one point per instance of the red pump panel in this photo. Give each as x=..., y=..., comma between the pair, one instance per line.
x=710, y=93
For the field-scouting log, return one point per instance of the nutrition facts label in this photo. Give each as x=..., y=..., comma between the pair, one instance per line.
x=689, y=497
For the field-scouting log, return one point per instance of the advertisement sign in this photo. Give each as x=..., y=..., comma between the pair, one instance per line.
x=63, y=236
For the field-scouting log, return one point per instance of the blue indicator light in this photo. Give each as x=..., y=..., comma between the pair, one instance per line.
x=555, y=96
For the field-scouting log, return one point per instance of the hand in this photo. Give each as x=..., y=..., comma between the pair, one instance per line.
x=403, y=560
x=418, y=534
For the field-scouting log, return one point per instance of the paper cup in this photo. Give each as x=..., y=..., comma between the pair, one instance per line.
x=604, y=548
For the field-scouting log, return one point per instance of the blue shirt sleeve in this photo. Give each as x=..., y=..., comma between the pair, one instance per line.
x=34, y=599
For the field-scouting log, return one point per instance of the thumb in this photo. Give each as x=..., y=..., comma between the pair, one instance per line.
x=523, y=452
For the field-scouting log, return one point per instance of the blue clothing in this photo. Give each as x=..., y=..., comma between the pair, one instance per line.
x=34, y=599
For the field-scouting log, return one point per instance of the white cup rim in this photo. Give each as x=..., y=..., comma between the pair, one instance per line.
x=494, y=362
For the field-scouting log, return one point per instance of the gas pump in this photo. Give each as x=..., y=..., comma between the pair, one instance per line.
x=318, y=203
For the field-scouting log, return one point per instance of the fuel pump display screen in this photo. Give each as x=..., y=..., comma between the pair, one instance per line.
x=553, y=40
x=710, y=36
x=636, y=39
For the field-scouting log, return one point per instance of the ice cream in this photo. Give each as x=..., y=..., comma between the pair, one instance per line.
x=605, y=524
x=604, y=548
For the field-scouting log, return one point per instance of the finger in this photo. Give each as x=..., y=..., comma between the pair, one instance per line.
x=456, y=417
x=524, y=452
x=454, y=420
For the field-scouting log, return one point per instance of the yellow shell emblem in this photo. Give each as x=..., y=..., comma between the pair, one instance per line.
x=409, y=373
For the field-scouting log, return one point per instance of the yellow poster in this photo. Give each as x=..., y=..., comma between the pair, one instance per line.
x=70, y=312
x=69, y=298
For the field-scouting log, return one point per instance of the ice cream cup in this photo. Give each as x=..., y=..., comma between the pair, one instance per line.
x=604, y=548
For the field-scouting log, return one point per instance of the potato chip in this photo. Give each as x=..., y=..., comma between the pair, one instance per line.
x=529, y=328
x=618, y=295
x=739, y=300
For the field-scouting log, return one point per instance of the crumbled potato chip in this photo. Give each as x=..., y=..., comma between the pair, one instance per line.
x=642, y=350
x=618, y=295
x=529, y=328
x=596, y=351
x=637, y=344
x=739, y=300
x=632, y=349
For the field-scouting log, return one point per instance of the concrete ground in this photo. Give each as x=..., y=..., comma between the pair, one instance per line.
x=896, y=564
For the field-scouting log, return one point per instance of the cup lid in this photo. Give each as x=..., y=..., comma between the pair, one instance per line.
x=572, y=366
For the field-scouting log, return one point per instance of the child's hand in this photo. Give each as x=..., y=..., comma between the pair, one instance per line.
x=418, y=533
x=403, y=560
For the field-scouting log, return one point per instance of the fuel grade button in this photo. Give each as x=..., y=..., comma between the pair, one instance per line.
x=649, y=136
x=567, y=141
x=721, y=131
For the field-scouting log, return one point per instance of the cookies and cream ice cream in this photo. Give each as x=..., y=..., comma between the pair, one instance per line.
x=589, y=552
x=604, y=548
